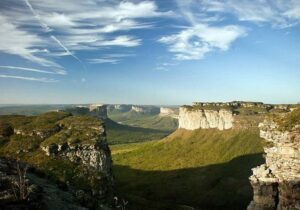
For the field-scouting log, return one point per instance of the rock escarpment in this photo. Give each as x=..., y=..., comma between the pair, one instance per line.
x=192, y=119
x=168, y=112
x=276, y=184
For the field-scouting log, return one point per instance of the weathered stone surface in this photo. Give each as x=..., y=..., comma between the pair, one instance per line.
x=205, y=119
x=276, y=184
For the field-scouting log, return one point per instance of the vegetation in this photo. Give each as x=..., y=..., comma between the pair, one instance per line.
x=202, y=168
x=289, y=121
x=85, y=130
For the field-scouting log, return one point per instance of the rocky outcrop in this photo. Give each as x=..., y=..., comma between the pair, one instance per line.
x=192, y=119
x=168, y=112
x=89, y=148
x=276, y=184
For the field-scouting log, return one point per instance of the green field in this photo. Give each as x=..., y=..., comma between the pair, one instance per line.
x=203, y=169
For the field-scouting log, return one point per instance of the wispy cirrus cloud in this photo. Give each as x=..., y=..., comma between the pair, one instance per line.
x=43, y=31
x=30, y=70
x=278, y=13
x=35, y=79
x=207, y=29
x=110, y=58
x=199, y=37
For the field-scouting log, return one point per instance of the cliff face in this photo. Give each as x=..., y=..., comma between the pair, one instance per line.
x=276, y=184
x=200, y=118
x=168, y=112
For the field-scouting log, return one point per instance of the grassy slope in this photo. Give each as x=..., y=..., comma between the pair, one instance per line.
x=206, y=169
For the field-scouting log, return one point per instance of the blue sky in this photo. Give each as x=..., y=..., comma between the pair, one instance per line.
x=149, y=52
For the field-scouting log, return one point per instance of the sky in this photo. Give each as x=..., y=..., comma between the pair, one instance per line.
x=149, y=51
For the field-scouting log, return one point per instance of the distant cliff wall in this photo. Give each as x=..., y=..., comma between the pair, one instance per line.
x=145, y=109
x=95, y=110
x=192, y=119
x=276, y=184
x=168, y=112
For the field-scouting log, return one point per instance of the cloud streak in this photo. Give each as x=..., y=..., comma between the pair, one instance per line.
x=46, y=80
x=29, y=69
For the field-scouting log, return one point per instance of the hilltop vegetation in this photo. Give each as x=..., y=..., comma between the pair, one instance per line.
x=206, y=169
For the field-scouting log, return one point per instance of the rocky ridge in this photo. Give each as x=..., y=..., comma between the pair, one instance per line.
x=276, y=184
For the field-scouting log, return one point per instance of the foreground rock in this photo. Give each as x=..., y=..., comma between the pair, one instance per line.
x=276, y=184
x=192, y=119
x=21, y=188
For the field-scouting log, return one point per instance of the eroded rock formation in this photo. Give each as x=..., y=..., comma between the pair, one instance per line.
x=192, y=119
x=276, y=184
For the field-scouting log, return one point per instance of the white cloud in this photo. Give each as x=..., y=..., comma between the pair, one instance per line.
x=110, y=58
x=29, y=78
x=30, y=69
x=14, y=40
x=199, y=38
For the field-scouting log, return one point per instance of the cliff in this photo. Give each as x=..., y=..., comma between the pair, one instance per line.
x=192, y=119
x=276, y=184
x=168, y=112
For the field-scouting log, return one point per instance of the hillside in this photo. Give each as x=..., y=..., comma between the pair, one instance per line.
x=206, y=169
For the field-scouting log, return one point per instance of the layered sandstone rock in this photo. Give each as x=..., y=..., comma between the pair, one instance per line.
x=276, y=184
x=192, y=119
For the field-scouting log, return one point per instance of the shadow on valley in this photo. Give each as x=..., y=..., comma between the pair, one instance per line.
x=121, y=134
x=219, y=186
